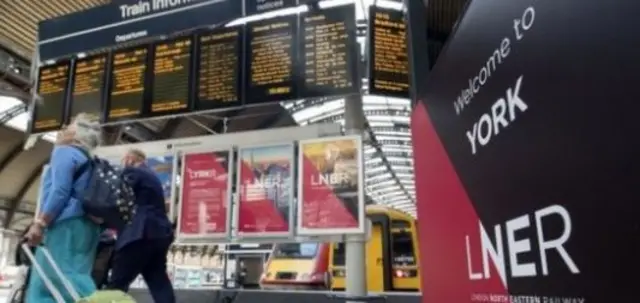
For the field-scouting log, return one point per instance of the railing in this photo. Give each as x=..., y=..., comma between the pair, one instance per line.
x=12, y=112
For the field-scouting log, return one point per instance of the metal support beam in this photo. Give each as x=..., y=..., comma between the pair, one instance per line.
x=169, y=129
x=12, y=112
x=13, y=205
x=356, y=271
x=219, y=127
x=13, y=153
x=270, y=121
x=140, y=132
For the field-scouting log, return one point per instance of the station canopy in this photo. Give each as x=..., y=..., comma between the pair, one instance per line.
x=388, y=155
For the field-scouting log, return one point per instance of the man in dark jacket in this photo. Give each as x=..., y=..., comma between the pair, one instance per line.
x=142, y=246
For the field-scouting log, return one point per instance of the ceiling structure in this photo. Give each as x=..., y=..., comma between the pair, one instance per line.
x=388, y=155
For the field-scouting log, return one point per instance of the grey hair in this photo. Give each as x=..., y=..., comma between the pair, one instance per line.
x=87, y=131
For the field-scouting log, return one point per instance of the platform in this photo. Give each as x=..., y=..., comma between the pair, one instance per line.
x=271, y=296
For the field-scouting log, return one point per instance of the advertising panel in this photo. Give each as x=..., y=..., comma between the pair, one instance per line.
x=165, y=169
x=526, y=155
x=265, y=187
x=205, y=195
x=330, y=186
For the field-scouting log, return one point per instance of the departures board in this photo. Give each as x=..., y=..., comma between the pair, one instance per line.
x=388, y=54
x=49, y=110
x=88, y=86
x=312, y=54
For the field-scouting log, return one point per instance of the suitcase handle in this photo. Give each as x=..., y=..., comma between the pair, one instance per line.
x=54, y=292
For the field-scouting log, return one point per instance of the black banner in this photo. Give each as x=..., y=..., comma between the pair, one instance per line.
x=127, y=21
x=526, y=155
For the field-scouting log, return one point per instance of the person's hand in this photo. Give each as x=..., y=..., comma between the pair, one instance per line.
x=34, y=235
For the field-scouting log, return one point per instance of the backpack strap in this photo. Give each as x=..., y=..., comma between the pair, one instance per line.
x=84, y=166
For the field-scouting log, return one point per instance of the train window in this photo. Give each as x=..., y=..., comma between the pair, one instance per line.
x=338, y=254
x=402, y=249
x=400, y=224
x=296, y=250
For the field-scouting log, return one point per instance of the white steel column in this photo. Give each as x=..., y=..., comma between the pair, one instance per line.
x=356, y=270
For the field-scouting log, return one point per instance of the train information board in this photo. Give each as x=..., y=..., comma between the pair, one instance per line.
x=49, y=110
x=389, y=60
x=88, y=86
x=171, y=74
x=271, y=60
x=329, y=52
x=219, y=75
x=128, y=77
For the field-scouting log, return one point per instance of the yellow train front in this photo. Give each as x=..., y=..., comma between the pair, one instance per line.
x=392, y=258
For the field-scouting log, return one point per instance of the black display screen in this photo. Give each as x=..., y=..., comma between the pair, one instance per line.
x=389, y=60
x=49, y=109
x=88, y=86
x=128, y=77
x=219, y=75
x=171, y=75
x=329, y=52
x=271, y=51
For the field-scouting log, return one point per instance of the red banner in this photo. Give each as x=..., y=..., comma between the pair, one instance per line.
x=205, y=194
x=330, y=196
x=265, y=185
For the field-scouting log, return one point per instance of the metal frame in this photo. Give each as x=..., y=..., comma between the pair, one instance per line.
x=262, y=236
x=182, y=238
x=225, y=140
x=301, y=231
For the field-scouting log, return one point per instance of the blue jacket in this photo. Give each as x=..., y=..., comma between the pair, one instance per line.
x=151, y=220
x=58, y=186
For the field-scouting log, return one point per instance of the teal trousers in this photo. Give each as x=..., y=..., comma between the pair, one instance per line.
x=72, y=243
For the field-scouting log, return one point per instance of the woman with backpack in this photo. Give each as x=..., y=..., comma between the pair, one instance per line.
x=62, y=226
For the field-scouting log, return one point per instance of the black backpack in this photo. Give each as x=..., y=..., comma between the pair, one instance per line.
x=109, y=194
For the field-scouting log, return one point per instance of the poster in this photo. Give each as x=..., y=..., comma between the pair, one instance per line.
x=164, y=167
x=205, y=195
x=265, y=190
x=330, y=186
x=526, y=155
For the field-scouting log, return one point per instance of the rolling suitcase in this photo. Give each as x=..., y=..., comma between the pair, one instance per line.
x=110, y=296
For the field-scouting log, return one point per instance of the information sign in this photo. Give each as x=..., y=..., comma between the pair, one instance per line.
x=128, y=82
x=219, y=74
x=388, y=57
x=205, y=195
x=330, y=188
x=265, y=186
x=526, y=155
x=252, y=7
x=171, y=76
x=271, y=60
x=87, y=90
x=49, y=110
x=329, y=52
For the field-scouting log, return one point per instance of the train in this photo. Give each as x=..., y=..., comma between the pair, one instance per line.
x=392, y=258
